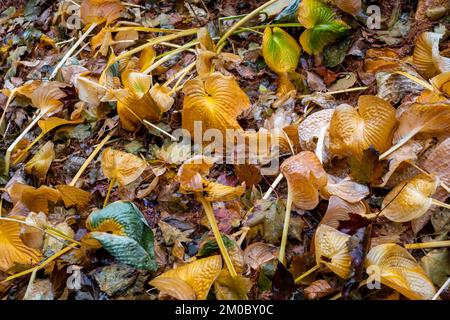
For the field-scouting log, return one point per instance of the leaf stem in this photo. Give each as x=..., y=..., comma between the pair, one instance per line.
x=427, y=245
x=18, y=139
x=215, y=229
x=72, y=49
x=91, y=157
x=287, y=216
x=440, y=204
x=441, y=289
x=240, y=23
x=273, y=186
x=307, y=273
x=111, y=183
x=400, y=143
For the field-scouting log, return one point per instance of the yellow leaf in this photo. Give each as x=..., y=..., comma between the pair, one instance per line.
x=12, y=249
x=305, y=176
x=409, y=200
x=174, y=287
x=345, y=189
x=354, y=130
x=339, y=210
x=442, y=83
x=280, y=51
x=426, y=56
x=161, y=97
x=399, y=270
x=219, y=192
x=192, y=171
x=146, y=58
x=215, y=100
x=331, y=249
x=227, y=287
x=41, y=161
x=47, y=97
x=72, y=196
x=121, y=166
x=102, y=41
x=98, y=11
x=199, y=275
x=424, y=118
x=34, y=199
x=51, y=123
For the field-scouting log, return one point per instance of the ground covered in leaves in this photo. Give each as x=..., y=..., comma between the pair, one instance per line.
x=99, y=200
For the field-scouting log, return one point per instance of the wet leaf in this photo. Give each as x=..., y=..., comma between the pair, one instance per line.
x=321, y=26
x=354, y=130
x=121, y=166
x=400, y=271
x=280, y=51
x=41, y=161
x=199, y=275
x=331, y=249
x=13, y=249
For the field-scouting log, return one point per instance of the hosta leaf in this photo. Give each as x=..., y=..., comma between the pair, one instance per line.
x=215, y=100
x=340, y=210
x=41, y=161
x=47, y=97
x=442, y=83
x=219, y=192
x=121, y=166
x=354, y=130
x=73, y=196
x=146, y=58
x=426, y=57
x=125, y=250
x=321, y=26
x=199, y=275
x=121, y=218
x=177, y=288
x=51, y=123
x=352, y=7
x=98, y=11
x=345, y=189
x=161, y=97
x=35, y=199
x=192, y=171
x=400, y=271
x=423, y=118
x=331, y=249
x=138, y=83
x=280, y=51
x=12, y=249
x=305, y=176
x=231, y=288
x=409, y=200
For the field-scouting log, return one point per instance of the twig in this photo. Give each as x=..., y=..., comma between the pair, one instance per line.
x=441, y=289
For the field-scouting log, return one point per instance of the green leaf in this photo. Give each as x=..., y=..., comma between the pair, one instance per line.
x=280, y=51
x=123, y=219
x=125, y=250
x=210, y=246
x=322, y=27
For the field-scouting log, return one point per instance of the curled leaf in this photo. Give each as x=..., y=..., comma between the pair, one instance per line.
x=331, y=249
x=399, y=270
x=259, y=253
x=98, y=11
x=41, y=161
x=339, y=210
x=13, y=250
x=409, y=200
x=280, y=51
x=321, y=26
x=354, y=130
x=199, y=275
x=442, y=83
x=220, y=192
x=426, y=57
x=345, y=189
x=73, y=196
x=423, y=118
x=47, y=97
x=121, y=166
x=305, y=176
x=192, y=172
x=35, y=199
x=215, y=100
x=174, y=287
